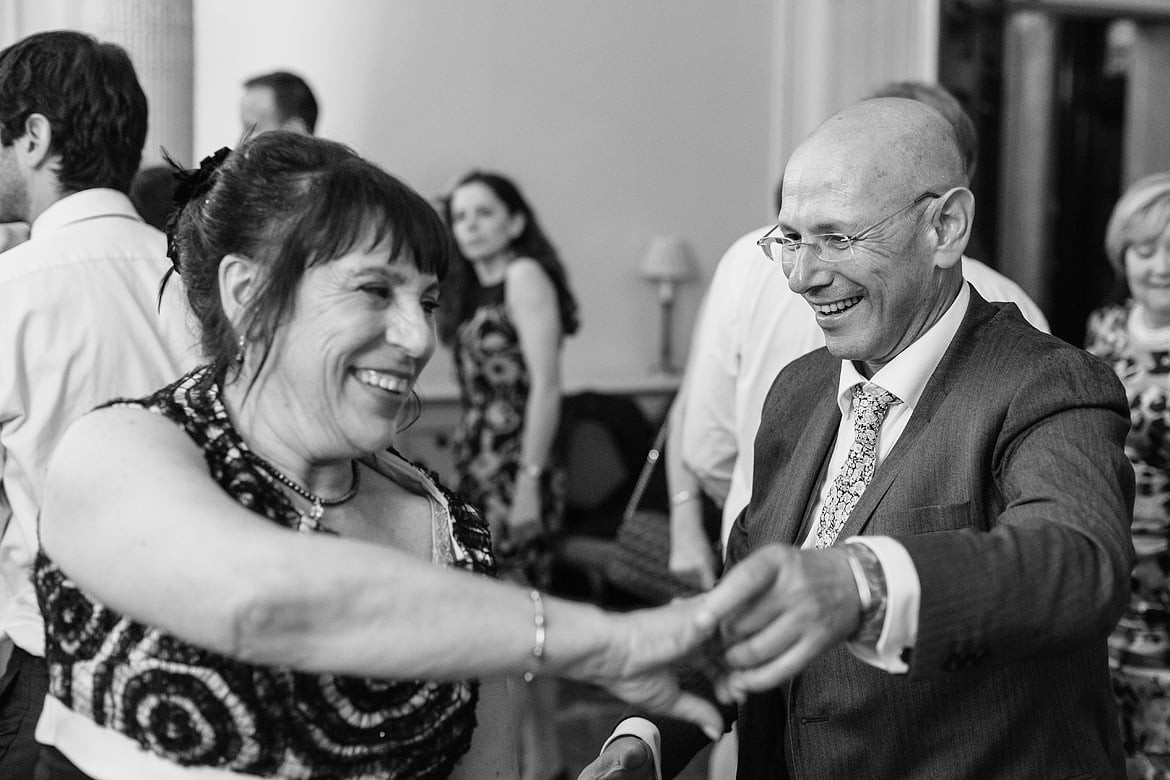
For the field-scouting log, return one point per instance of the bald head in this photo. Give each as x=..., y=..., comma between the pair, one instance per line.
x=889, y=148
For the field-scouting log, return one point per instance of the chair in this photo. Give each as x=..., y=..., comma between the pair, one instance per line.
x=603, y=440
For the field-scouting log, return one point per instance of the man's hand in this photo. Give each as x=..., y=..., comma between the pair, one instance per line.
x=811, y=605
x=691, y=558
x=626, y=758
x=652, y=643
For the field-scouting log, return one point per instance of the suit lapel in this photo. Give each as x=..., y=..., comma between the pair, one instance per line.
x=789, y=504
x=938, y=387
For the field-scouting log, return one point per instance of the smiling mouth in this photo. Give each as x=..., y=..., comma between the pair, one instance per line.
x=393, y=383
x=836, y=307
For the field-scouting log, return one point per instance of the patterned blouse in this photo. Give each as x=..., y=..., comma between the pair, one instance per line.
x=195, y=707
x=1139, y=647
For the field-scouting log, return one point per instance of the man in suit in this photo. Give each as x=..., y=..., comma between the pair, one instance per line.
x=940, y=509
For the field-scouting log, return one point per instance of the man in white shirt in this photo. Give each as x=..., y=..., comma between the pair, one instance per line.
x=939, y=521
x=81, y=319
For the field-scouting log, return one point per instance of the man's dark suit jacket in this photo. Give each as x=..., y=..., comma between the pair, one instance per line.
x=1012, y=494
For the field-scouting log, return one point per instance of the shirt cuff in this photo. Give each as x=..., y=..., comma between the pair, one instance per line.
x=903, y=593
x=645, y=731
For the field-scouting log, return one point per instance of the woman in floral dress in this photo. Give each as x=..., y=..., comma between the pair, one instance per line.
x=506, y=320
x=1134, y=337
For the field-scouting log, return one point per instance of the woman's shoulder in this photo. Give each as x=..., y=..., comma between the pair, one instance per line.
x=190, y=404
x=468, y=526
x=526, y=269
x=527, y=280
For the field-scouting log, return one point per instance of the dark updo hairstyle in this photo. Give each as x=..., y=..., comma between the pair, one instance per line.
x=460, y=290
x=290, y=202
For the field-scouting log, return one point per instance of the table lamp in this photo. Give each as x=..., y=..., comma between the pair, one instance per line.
x=668, y=262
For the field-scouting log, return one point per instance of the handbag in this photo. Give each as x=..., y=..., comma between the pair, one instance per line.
x=641, y=564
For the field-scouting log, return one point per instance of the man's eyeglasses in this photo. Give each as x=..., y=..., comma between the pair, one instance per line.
x=829, y=247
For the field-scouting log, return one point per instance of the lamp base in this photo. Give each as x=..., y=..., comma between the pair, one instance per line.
x=666, y=337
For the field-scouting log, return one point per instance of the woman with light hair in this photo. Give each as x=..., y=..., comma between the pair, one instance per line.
x=1134, y=337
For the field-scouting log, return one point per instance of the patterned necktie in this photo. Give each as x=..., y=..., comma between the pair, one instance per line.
x=869, y=409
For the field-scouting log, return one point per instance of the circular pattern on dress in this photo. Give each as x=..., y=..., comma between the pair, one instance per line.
x=189, y=714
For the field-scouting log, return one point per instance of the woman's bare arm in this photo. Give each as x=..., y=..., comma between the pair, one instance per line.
x=132, y=516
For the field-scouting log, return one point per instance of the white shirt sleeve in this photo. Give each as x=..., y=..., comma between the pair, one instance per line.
x=645, y=731
x=708, y=438
x=903, y=592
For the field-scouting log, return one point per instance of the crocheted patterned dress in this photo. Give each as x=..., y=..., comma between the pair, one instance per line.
x=195, y=707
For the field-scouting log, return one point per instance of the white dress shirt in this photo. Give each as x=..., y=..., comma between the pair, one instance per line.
x=80, y=324
x=751, y=326
x=905, y=376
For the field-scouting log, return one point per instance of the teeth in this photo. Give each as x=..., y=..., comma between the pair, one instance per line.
x=836, y=306
x=394, y=384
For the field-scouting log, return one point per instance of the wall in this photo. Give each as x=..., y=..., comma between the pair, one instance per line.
x=621, y=120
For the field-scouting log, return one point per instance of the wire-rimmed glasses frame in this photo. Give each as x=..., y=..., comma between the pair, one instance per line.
x=829, y=247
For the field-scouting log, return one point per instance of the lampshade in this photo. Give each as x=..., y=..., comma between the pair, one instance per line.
x=668, y=259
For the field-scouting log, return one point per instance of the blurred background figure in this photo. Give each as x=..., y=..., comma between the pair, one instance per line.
x=278, y=101
x=1134, y=337
x=507, y=309
x=81, y=320
x=151, y=193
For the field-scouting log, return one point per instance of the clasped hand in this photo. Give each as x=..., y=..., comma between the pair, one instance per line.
x=768, y=618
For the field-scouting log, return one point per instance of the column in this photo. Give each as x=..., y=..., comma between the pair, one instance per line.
x=827, y=54
x=159, y=37
x=1027, y=171
x=1147, y=109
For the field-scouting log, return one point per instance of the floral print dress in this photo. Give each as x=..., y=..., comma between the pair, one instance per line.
x=494, y=382
x=1139, y=648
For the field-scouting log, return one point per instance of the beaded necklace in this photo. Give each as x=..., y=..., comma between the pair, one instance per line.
x=1146, y=334
x=319, y=502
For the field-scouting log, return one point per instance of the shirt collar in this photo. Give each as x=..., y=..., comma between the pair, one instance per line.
x=907, y=374
x=87, y=204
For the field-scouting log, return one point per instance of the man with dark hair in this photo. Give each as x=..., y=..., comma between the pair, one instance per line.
x=80, y=317
x=278, y=101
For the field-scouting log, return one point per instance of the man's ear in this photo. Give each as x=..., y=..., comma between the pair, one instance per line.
x=951, y=226
x=238, y=280
x=36, y=142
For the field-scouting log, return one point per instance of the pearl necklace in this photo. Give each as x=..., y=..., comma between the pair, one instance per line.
x=319, y=502
x=1144, y=333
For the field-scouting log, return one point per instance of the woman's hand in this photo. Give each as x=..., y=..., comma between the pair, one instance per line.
x=524, y=517
x=691, y=558
x=654, y=643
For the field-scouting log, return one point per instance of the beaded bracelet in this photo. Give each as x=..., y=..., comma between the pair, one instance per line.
x=538, y=640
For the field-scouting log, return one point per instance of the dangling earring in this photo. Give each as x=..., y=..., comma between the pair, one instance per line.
x=412, y=415
x=240, y=351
